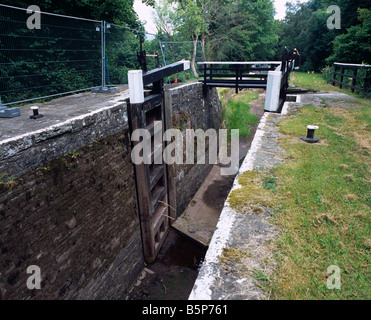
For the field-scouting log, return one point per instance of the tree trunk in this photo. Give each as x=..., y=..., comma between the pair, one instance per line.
x=193, y=63
x=203, y=37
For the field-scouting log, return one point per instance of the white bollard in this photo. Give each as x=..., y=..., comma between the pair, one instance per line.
x=272, y=96
x=135, y=79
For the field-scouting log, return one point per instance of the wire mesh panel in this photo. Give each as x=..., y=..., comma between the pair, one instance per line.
x=122, y=45
x=64, y=55
x=182, y=50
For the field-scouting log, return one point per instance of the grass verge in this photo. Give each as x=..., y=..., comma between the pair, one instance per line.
x=311, y=81
x=324, y=201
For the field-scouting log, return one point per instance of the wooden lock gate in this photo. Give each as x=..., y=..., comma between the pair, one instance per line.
x=155, y=191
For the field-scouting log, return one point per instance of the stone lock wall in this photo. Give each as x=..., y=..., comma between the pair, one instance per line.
x=73, y=215
x=68, y=199
x=192, y=108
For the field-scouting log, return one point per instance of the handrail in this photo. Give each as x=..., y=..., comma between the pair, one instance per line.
x=238, y=75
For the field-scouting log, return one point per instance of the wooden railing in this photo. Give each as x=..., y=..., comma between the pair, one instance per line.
x=342, y=67
x=238, y=75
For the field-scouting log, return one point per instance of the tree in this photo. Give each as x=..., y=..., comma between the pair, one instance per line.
x=305, y=28
x=354, y=45
x=116, y=11
x=243, y=30
x=65, y=54
x=166, y=19
x=184, y=20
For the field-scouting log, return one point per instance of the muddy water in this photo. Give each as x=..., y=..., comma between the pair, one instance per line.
x=173, y=274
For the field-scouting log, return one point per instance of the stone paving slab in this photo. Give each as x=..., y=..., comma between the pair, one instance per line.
x=58, y=111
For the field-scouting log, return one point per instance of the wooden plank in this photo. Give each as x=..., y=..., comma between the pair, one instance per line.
x=158, y=195
x=156, y=175
x=341, y=77
x=151, y=181
x=245, y=69
x=350, y=75
x=231, y=85
x=170, y=170
x=334, y=75
x=234, y=81
x=163, y=72
x=347, y=85
x=352, y=65
x=354, y=79
x=239, y=62
x=215, y=76
x=159, y=217
x=184, y=226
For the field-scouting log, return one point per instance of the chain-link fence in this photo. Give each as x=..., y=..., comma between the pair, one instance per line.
x=69, y=54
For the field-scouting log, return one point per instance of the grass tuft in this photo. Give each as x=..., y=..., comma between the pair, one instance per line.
x=236, y=110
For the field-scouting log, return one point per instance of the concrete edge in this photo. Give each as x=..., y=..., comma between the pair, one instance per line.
x=24, y=152
x=66, y=123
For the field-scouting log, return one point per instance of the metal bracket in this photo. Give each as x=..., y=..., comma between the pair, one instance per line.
x=104, y=90
x=9, y=113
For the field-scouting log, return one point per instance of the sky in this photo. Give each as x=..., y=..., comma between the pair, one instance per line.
x=145, y=13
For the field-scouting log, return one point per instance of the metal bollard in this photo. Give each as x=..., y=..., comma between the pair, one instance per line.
x=36, y=114
x=310, y=138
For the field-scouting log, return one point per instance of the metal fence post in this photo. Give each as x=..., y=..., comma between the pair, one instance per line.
x=103, y=36
x=104, y=88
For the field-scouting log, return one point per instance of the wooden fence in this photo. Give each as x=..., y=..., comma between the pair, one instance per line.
x=363, y=81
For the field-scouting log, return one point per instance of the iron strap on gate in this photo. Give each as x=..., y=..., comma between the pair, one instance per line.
x=155, y=190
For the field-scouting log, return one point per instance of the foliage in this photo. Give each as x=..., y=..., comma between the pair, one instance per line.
x=354, y=45
x=305, y=28
x=65, y=54
x=115, y=11
x=241, y=31
x=327, y=73
x=229, y=30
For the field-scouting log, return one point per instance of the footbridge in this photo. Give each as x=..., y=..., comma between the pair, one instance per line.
x=270, y=75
